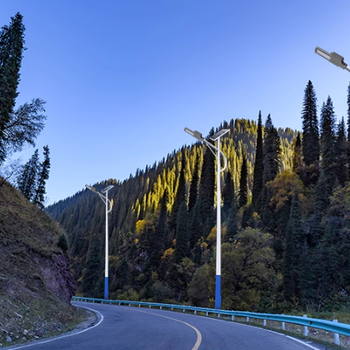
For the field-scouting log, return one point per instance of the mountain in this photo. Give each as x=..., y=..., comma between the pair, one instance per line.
x=36, y=283
x=146, y=260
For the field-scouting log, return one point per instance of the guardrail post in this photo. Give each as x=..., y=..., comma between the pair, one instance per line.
x=336, y=336
x=247, y=318
x=306, y=331
x=150, y=307
x=160, y=307
x=283, y=325
x=195, y=312
x=206, y=313
x=264, y=322
x=233, y=317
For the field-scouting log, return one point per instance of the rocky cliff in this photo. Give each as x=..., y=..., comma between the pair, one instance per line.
x=36, y=283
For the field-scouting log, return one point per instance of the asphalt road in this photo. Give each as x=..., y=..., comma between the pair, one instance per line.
x=130, y=328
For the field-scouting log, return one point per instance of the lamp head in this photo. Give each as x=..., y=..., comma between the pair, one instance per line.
x=323, y=53
x=93, y=189
x=195, y=134
x=332, y=57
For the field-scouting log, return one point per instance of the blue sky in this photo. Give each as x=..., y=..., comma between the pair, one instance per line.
x=123, y=78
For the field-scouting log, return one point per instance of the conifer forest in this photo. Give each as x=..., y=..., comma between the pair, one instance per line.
x=285, y=220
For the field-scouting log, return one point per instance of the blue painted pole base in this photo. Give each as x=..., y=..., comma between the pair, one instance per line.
x=218, y=292
x=106, y=288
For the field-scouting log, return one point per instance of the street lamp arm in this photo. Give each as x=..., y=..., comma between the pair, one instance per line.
x=217, y=156
x=110, y=202
x=211, y=147
x=102, y=197
x=105, y=199
x=225, y=161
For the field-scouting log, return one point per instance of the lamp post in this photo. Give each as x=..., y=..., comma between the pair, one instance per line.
x=109, y=205
x=332, y=57
x=212, y=148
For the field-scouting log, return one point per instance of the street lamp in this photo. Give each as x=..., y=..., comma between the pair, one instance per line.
x=332, y=57
x=212, y=148
x=110, y=204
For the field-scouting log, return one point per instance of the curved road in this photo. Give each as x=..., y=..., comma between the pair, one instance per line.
x=130, y=328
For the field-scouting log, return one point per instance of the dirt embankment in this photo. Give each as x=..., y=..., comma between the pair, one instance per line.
x=36, y=283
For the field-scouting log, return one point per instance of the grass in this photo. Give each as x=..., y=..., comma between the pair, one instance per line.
x=34, y=295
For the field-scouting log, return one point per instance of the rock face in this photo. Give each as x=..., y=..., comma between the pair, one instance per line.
x=36, y=283
x=58, y=277
x=36, y=273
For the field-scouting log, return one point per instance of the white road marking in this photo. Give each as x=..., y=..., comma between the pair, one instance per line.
x=300, y=341
x=195, y=347
x=63, y=336
x=266, y=330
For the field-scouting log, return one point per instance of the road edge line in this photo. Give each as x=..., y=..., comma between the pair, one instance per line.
x=70, y=334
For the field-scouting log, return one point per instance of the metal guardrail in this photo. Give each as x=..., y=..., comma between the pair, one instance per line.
x=330, y=326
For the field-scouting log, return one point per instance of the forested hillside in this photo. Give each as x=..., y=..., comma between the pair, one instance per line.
x=284, y=221
x=151, y=257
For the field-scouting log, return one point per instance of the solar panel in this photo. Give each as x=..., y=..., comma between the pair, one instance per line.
x=107, y=188
x=219, y=134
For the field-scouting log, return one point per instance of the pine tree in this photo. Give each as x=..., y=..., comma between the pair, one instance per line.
x=272, y=150
x=348, y=101
x=196, y=226
x=62, y=243
x=24, y=126
x=92, y=270
x=310, y=144
x=243, y=183
x=180, y=194
x=297, y=155
x=228, y=194
x=43, y=176
x=306, y=284
x=27, y=180
x=258, y=183
x=11, y=53
x=181, y=246
x=341, y=148
x=311, y=150
x=206, y=191
x=294, y=242
x=328, y=140
x=159, y=238
x=326, y=181
x=231, y=224
x=161, y=229
x=194, y=187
